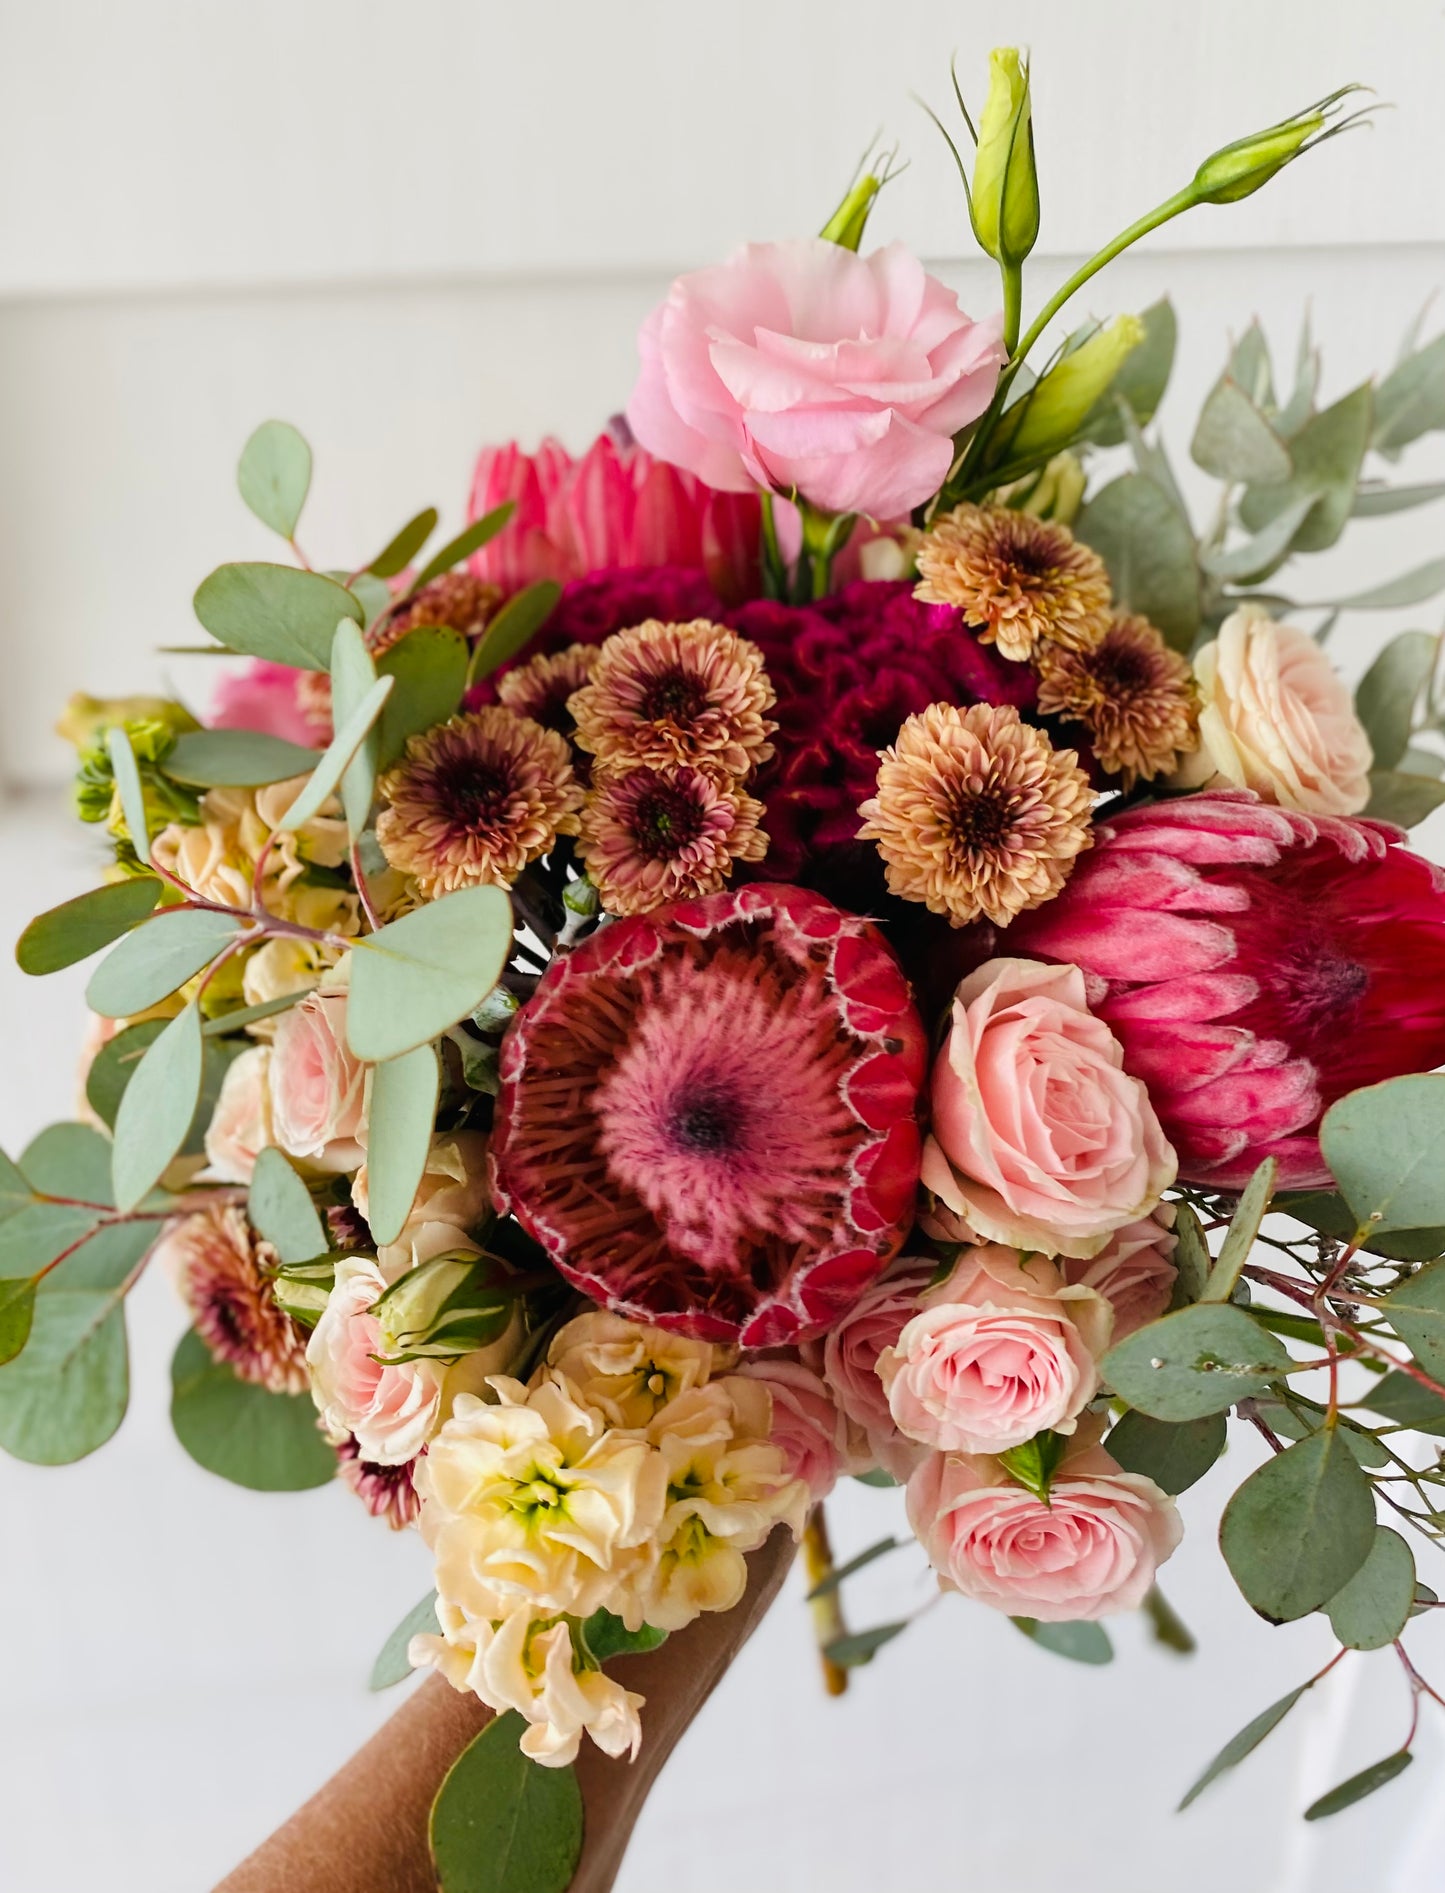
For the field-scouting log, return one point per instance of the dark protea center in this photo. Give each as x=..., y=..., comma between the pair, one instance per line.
x=707, y=1114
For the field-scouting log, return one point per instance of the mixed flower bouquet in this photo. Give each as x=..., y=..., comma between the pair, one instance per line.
x=821, y=938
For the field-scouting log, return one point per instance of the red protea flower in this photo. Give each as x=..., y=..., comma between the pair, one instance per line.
x=1256, y=964
x=707, y=1114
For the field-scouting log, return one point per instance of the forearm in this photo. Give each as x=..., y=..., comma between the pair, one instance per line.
x=365, y=1831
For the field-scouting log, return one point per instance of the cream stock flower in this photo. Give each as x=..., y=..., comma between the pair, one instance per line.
x=630, y=1373
x=281, y=966
x=217, y=857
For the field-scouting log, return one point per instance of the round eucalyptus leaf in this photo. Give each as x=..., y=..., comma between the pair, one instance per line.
x=235, y=759
x=504, y=1824
x=1299, y=1528
x=275, y=611
x=424, y=972
x=1197, y=1361
x=66, y=1393
x=77, y=928
x=1386, y=1147
x=274, y=475
x=1374, y=1607
x=150, y=963
x=269, y=1442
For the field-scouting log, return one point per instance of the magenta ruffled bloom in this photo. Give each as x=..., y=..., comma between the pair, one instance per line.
x=1255, y=964
x=616, y=506
x=266, y=697
x=802, y=365
x=707, y=1115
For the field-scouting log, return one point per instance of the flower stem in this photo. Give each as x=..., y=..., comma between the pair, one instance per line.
x=828, y=1620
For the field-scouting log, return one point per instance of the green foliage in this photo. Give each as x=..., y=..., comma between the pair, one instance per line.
x=514, y=627
x=15, y=1191
x=1404, y=1402
x=1328, y=1212
x=413, y=979
x=1327, y=453
x=1358, y=1786
x=1234, y=441
x=604, y=1636
x=1192, y=1260
x=1175, y=1455
x=114, y=1065
x=1194, y=1362
x=1411, y=400
x=34, y=1236
x=1416, y=1311
x=353, y=674
x=1034, y=1464
x=1299, y=1528
x=1141, y=382
x=69, y=1160
x=236, y=759
x=465, y=544
x=840, y=1572
x=132, y=795
x=1246, y=1742
x=1240, y=1236
x=67, y=934
x=338, y=757
x=269, y=1442
x=279, y=1207
x=501, y=1823
x=274, y=475
x=1146, y=542
x=393, y=1665
x=429, y=666
x=67, y=1392
x=861, y=1646
x=1079, y=1642
x=401, y=1117
x=157, y=1108
x=399, y=552
x=17, y=1314
x=1386, y=1147
x=1374, y=1607
x=275, y=612
x=1402, y=798
x=149, y=963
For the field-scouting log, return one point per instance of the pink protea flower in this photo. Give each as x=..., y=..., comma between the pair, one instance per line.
x=1255, y=964
x=270, y=698
x=387, y=1492
x=707, y=1115
x=616, y=506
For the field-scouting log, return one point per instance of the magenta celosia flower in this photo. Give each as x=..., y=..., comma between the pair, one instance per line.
x=616, y=506
x=1255, y=964
x=707, y=1114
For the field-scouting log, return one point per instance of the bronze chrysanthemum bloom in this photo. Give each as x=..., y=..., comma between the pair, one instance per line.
x=1022, y=582
x=1132, y=693
x=542, y=687
x=456, y=599
x=977, y=815
x=663, y=694
x=658, y=835
x=387, y=1492
x=221, y=1267
x=474, y=800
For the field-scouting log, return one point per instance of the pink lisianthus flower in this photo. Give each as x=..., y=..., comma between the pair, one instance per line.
x=809, y=1426
x=615, y=507
x=1093, y=1549
x=1134, y=1271
x=1004, y=1349
x=317, y=1087
x=268, y=698
x=1041, y=1139
x=802, y=365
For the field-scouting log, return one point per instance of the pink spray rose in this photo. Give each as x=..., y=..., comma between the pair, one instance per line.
x=803, y=365
x=814, y=1434
x=847, y=1357
x=317, y=1086
x=1001, y=1351
x=1093, y=1549
x=241, y=1124
x=1040, y=1139
x=269, y=698
x=1134, y=1271
x=391, y=1411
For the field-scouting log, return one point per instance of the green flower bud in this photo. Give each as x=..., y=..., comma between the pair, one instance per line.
x=449, y=1306
x=302, y=1289
x=1241, y=168
x=1051, y=416
x=846, y=225
x=1004, y=198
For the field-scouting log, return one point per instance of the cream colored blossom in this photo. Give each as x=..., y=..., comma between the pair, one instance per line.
x=217, y=857
x=450, y=1201
x=630, y=1373
x=282, y=966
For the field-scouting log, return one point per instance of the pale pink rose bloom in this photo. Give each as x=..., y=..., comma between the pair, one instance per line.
x=1134, y=1271
x=241, y=1124
x=801, y=364
x=847, y=1358
x=317, y=1087
x=809, y=1427
x=266, y=697
x=1041, y=1139
x=1003, y=1350
x=451, y=1199
x=392, y=1411
x=1275, y=716
x=1093, y=1549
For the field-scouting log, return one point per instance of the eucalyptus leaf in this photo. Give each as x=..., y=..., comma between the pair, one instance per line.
x=1377, y=1775
x=67, y=934
x=514, y=627
x=1079, y=1642
x=1373, y=502
x=109, y=1260
x=393, y=1665
x=841, y=1572
x=501, y=1823
x=1249, y=365
x=1194, y=1362
x=1192, y=1260
x=67, y=1392
x=276, y=612
x=1389, y=690
x=156, y=1111
x=353, y=674
x=1411, y=401
x=1374, y=1607
x=237, y=1020
x=274, y=475
x=429, y=666
x=1299, y=1528
x=1233, y=440
x=1398, y=1398
x=1149, y=549
x=465, y=544
x=1167, y=1626
x=17, y=1313
x=270, y=1442
x=414, y=978
x=1254, y=559
x=33, y=1237
x=15, y=1191
x=861, y=1646
x=399, y=552
x=1301, y=404
x=69, y=1159
x=1240, y=1236
x=150, y=962
x=1416, y=1311
x=1174, y=1454
x=280, y=1208
x=1386, y=1147
x=607, y=1636
x=1245, y=1743
x=235, y=759
x=1403, y=799
x=1411, y=588
x=401, y=1116
x=344, y=746
x=128, y=788
x=115, y=1064
x=1327, y=453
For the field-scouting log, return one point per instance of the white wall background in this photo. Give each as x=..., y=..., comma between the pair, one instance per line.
x=412, y=228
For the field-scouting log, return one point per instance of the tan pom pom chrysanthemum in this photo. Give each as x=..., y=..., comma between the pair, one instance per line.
x=474, y=800
x=1023, y=583
x=542, y=687
x=1132, y=693
x=665, y=694
x=658, y=835
x=977, y=814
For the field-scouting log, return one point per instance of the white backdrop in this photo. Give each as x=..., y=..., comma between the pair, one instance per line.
x=410, y=229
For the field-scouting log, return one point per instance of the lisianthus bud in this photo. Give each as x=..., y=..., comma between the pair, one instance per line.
x=447, y=1307
x=1239, y=169
x=1004, y=199
x=1051, y=416
x=846, y=225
